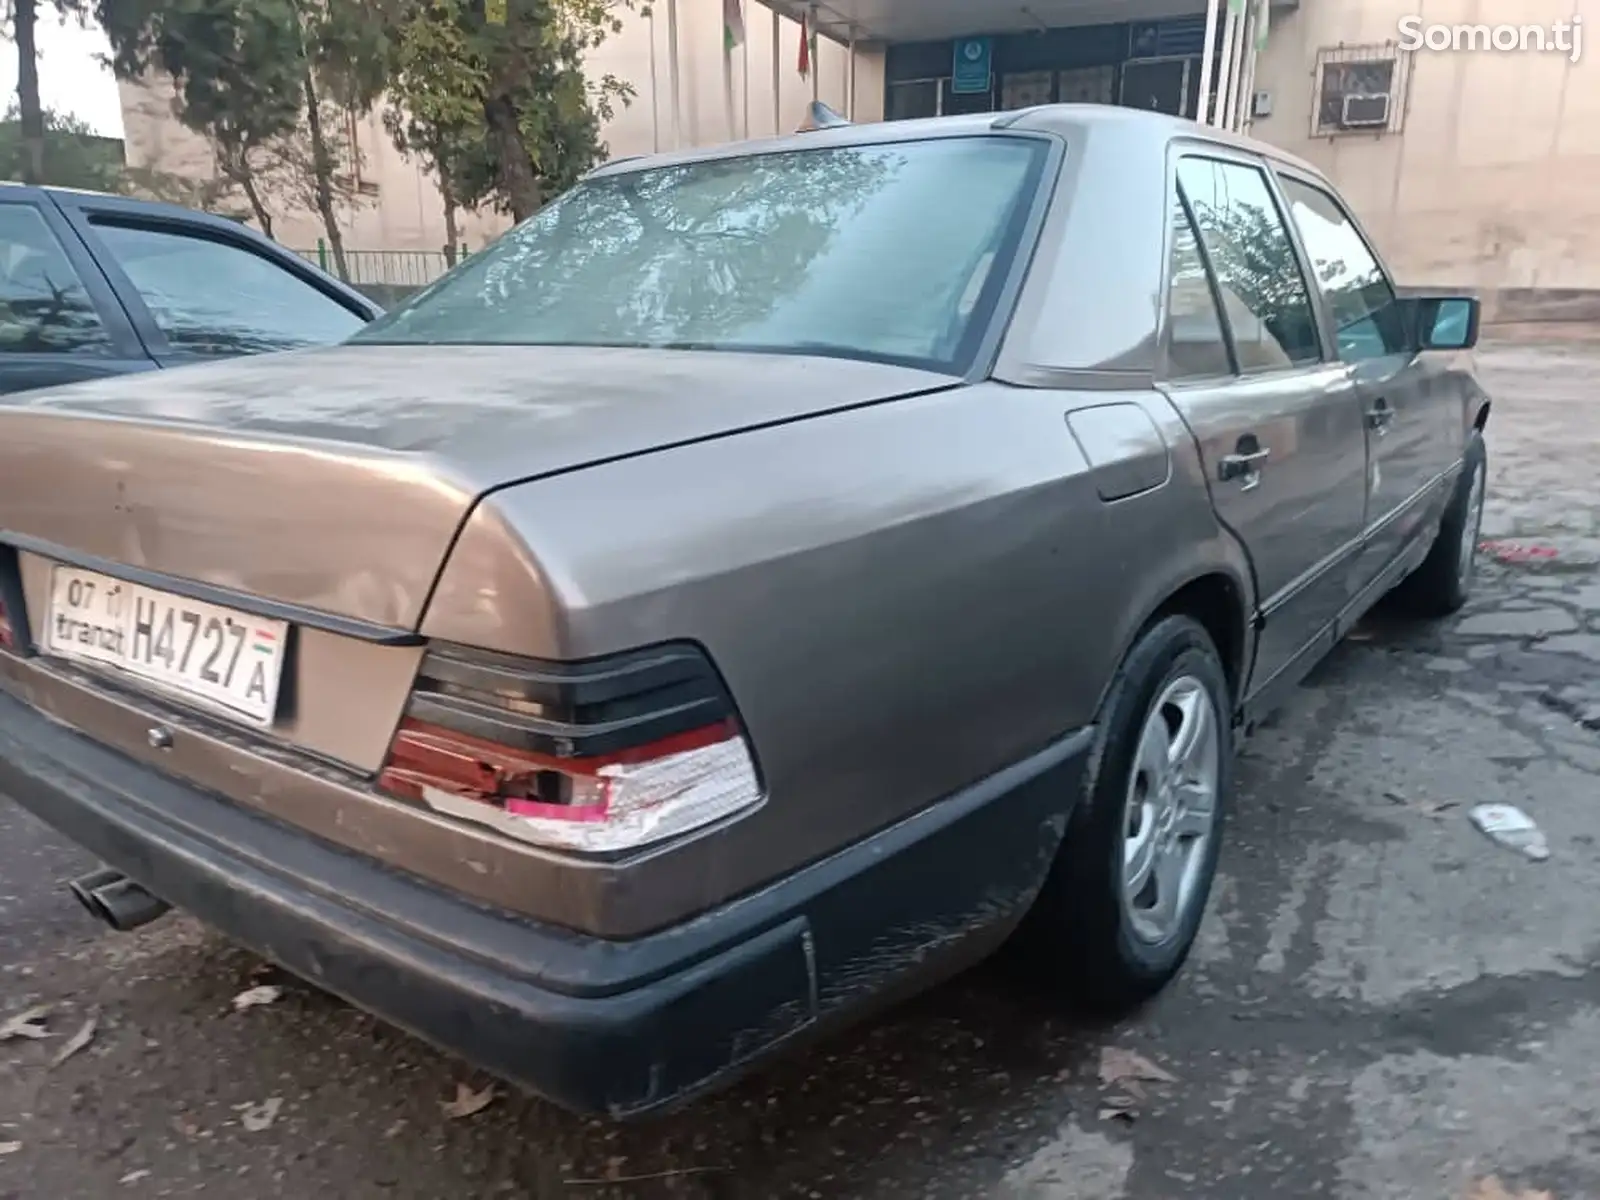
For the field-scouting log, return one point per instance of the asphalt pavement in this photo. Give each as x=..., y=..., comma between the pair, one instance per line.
x=1385, y=1004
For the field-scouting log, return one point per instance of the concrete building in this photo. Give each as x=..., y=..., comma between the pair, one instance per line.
x=1471, y=150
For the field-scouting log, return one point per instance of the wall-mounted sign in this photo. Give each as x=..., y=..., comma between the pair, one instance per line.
x=973, y=71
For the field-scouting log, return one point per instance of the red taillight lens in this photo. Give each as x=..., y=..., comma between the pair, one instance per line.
x=599, y=757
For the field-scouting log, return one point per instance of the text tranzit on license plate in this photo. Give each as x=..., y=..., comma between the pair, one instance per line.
x=227, y=658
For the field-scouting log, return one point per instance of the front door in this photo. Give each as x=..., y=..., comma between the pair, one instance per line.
x=1159, y=85
x=1404, y=406
x=1278, y=424
x=60, y=322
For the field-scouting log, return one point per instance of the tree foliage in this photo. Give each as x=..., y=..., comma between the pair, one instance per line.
x=494, y=93
x=73, y=155
x=267, y=83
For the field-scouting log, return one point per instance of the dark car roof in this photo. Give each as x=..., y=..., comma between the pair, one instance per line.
x=159, y=210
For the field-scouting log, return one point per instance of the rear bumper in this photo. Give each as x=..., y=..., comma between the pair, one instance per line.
x=596, y=1026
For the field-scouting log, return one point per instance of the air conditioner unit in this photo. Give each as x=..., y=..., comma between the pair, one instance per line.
x=1364, y=110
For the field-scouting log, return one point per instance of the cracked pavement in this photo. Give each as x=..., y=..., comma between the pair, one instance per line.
x=1384, y=1004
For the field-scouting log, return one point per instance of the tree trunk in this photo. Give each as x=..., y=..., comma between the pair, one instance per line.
x=518, y=182
x=322, y=168
x=25, y=14
x=247, y=184
x=452, y=235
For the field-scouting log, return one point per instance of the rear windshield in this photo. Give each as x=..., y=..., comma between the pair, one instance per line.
x=889, y=252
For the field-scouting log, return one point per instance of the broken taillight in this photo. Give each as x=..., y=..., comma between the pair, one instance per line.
x=600, y=756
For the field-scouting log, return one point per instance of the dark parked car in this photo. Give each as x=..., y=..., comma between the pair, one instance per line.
x=94, y=285
x=762, y=584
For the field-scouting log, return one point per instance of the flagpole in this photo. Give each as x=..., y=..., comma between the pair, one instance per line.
x=672, y=74
x=777, y=74
x=727, y=87
x=850, y=83
x=655, y=89
x=815, y=47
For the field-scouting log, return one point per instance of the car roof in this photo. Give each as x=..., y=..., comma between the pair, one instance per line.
x=1061, y=119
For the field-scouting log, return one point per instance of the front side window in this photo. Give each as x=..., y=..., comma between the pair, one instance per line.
x=218, y=299
x=891, y=252
x=44, y=308
x=1258, y=274
x=1368, y=322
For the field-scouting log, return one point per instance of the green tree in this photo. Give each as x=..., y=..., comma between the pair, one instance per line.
x=268, y=83
x=234, y=65
x=74, y=156
x=498, y=88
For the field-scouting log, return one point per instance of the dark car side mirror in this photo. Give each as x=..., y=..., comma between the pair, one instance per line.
x=1445, y=322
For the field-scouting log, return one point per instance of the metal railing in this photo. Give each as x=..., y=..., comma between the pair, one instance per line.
x=391, y=268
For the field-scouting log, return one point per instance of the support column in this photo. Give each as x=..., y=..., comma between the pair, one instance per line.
x=1244, y=66
x=1208, y=61
x=1225, y=66
x=1236, y=72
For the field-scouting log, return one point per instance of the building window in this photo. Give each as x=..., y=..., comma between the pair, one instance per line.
x=1088, y=85
x=915, y=98
x=1360, y=89
x=1027, y=89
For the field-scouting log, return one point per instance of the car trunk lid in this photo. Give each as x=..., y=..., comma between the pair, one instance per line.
x=335, y=480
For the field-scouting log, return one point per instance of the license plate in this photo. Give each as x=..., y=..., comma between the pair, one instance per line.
x=200, y=651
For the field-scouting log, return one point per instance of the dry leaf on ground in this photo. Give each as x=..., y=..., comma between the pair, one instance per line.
x=258, y=1118
x=1492, y=1189
x=1117, y=1065
x=255, y=997
x=468, y=1102
x=76, y=1042
x=27, y=1024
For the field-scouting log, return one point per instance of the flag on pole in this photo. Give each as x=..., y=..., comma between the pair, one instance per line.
x=732, y=24
x=805, y=45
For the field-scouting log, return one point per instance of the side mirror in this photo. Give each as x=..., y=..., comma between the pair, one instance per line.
x=1447, y=322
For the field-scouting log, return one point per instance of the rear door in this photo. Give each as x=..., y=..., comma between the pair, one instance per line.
x=1277, y=418
x=60, y=322
x=1403, y=396
x=198, y=288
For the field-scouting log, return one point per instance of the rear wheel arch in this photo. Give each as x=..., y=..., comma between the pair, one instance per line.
x=1217, y=601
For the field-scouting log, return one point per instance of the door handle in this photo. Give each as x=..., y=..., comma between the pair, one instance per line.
x=1244, y=466
x=1379, y=416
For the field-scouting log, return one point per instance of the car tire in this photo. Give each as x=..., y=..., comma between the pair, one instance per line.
x=1442, y=583
x=1090, y=936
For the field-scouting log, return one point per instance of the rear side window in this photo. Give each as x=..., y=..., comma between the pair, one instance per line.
x=1196, y=345
x=1258, y=275
x=44, y=308
x=217, y=299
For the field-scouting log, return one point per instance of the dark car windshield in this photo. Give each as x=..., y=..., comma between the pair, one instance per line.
x=890, y=252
